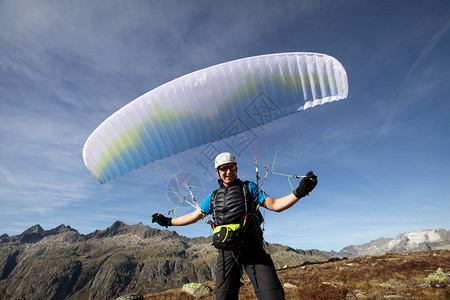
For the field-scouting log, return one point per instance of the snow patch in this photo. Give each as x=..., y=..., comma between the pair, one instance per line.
x=393, y=243
x=416, y=238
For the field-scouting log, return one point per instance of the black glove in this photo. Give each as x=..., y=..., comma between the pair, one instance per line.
x=306, y=185
x=161, y=220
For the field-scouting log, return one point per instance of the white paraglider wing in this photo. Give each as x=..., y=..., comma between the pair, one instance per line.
x=196, y=109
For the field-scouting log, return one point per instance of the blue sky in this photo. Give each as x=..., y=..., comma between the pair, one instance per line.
x=381, y=155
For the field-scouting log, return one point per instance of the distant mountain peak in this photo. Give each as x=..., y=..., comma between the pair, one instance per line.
x=416, y=238
x=429, y=239
x=34, y=229
x=61, y=229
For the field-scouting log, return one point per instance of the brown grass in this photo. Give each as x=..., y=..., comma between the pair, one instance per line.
x=391, y=276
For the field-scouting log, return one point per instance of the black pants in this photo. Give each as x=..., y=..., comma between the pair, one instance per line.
x=260, y=270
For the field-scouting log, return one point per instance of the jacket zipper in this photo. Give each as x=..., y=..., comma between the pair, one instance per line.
x=224, y=206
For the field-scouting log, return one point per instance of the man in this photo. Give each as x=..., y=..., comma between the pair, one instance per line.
x=235, y=212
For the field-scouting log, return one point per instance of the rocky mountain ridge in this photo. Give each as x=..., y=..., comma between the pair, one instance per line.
x=437, y=239
x=61, y=263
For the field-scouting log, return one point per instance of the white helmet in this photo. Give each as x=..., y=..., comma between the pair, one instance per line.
x=224, y=158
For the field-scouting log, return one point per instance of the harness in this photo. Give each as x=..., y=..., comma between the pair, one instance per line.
x=230, y=225
x=249, y=204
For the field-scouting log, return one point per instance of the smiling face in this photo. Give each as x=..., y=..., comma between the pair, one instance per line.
x=227, y=173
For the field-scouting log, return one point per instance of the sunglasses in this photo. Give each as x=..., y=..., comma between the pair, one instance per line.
x=227, y=167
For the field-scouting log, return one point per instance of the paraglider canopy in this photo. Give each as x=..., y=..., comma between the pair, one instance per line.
x=199, y=108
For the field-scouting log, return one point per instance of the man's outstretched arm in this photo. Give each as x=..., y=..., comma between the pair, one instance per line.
x=180, y=221
x=280, y=204
x=188, y=218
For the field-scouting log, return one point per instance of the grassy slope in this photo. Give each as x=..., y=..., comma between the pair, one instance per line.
x=391, y=276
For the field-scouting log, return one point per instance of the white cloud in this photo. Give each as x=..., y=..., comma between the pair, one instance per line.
x=431, y=45
x=8, y=176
